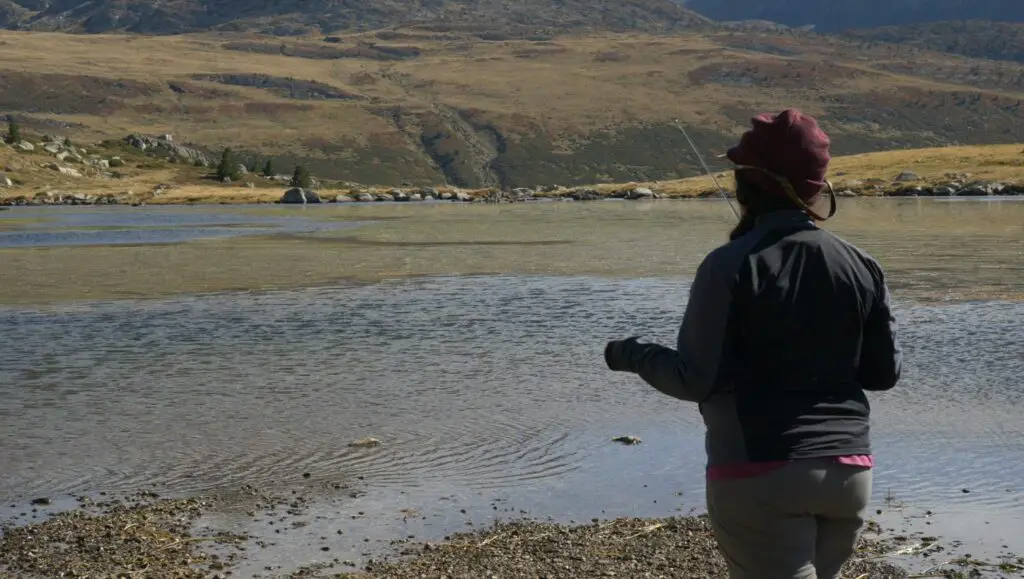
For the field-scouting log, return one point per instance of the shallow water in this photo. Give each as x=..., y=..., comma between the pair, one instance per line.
x=488, y=388
x=933, y=251
x=115, y=225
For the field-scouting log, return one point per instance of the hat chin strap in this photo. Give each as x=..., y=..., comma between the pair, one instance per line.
x=791, y=193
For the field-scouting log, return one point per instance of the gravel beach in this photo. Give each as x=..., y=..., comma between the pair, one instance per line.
x=669, y=548
x=134, y=537
x=143, y=536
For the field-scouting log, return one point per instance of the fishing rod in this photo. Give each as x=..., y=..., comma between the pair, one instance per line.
x=721, y=191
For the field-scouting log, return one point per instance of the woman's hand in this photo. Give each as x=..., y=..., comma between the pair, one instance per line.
x=616, y=354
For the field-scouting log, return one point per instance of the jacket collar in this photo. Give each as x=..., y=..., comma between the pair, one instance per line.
x=784, y=218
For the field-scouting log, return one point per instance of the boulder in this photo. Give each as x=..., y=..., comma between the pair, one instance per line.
x=845, y=193
x=52, y=148
x=300, y=195
x=415, y=197
x=907, y=192
x=64, y=170
x=49, y=197
x=907, y=176
x=364, y=197
x=5, y=181
x=342, y=199
x=584, y=194
x=24, y=146
x=166, y=147
x=981, y=189
x=943, y=191
x=640, y=193
x=462, y=196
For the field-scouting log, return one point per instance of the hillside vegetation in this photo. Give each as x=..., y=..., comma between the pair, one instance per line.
x=67, y=172
x=830, y=16
x=977, y=39
x=421, y=107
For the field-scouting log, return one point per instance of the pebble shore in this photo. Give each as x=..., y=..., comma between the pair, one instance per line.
x=145, y=536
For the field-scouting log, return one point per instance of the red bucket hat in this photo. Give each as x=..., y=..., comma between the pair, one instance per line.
x=788, y=146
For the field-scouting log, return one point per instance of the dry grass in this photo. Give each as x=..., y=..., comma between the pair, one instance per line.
x=986, y=162
x=569, y=84
x=995, y=162
x=564, y=107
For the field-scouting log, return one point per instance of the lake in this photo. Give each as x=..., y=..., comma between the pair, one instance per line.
x=468, y=340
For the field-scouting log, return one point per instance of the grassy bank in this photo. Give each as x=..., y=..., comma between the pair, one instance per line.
x=36, y=178
x=417, y=106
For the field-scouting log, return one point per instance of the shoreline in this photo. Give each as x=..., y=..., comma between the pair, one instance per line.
x=430, y=195
x=140, y=170
x=163, y=537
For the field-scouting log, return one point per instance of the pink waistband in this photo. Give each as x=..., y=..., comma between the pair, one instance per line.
x=748, y=469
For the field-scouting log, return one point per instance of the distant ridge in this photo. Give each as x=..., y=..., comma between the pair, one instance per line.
x=296, y=17
x=834, y=15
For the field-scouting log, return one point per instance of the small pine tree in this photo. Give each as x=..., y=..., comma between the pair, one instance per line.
x=228, y=167
x=268, y=169
x=13, y=133
x=301, y=177
x=67, y=142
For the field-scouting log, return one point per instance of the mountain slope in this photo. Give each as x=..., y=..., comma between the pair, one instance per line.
x=416, y=105
x=977, y=39
x=829, y=16
x=301, y=16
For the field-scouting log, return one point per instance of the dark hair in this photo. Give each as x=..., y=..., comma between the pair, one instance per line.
x=755, y=203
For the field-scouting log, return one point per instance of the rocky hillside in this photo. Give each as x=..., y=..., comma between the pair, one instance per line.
x=837, y=15
x=425, y=107
x=294, y=17
x=977, y=39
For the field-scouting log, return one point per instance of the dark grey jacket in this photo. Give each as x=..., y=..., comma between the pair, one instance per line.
x=785, y=329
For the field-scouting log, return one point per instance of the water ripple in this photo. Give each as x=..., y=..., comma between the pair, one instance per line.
x=490, y=382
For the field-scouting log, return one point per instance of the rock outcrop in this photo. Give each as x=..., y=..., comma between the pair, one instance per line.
x=164, y=146
x=298, y=195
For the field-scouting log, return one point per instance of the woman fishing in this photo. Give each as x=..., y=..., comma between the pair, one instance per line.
x=786, y=327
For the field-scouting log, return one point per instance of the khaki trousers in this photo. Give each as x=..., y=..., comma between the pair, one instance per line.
x=800, y=521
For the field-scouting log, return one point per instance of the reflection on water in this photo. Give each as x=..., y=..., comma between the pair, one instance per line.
x=62, y=226
x=932, y=251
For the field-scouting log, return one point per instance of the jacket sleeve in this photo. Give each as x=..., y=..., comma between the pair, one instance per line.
x=690, y=371
x=881, y=357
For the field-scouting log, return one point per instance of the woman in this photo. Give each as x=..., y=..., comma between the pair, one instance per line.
x=787, y=325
